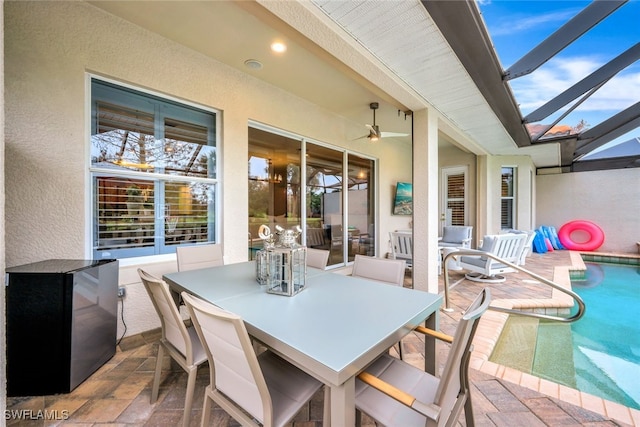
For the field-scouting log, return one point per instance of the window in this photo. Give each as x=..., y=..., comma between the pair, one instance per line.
x=508, y=208
x=454, y=196
x=153, y=171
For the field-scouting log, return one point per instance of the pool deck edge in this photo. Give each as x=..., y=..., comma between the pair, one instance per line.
x=492, y=324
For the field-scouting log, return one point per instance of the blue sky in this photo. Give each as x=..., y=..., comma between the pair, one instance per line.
x=517, y=26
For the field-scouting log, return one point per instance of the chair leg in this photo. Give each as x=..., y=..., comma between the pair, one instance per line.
x=206, y=409
x=468, y=411
x=156, y=377
x=400, y=349
x=188, y=400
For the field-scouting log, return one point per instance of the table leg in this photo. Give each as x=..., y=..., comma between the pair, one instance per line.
x=175, y=296
x=430, y=353
x=326, y=413
x=343, y=406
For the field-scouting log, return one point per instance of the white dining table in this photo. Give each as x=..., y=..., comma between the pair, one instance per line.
x=332, y=329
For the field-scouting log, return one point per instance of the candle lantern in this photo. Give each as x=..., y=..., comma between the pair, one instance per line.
x=283, y=264
x=287, y=270
x=262, y=267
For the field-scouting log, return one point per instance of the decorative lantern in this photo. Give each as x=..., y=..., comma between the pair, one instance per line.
x=262, y=270
x=287, y=270
x=261, y=267
x=284, y=263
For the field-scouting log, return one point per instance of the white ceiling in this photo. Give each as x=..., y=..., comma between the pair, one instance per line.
x=341, y=55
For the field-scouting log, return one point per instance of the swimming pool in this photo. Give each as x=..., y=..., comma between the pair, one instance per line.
x=600, y=353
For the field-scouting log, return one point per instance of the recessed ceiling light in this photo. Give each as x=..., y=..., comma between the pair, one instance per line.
x=254, y=64
x=278, y=47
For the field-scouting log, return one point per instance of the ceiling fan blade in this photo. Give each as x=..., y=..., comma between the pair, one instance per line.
x=372, y=136
x=392, y=134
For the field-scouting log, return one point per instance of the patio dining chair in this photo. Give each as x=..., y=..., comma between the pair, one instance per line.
x=316, y=238
x=389, y=271
x=256, y=390
x=178, y=340
x=199, y=256
x=397, y=394
x=317, y=258
x=380, y=269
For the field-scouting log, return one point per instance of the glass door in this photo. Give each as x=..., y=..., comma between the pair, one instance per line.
x=361, y=235
x=274, y=183
x=324, y=228
x=279, y=187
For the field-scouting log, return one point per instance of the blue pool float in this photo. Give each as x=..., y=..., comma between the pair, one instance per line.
x=539, y=244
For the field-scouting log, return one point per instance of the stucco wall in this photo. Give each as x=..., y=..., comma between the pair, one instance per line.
x=488, y=187
x=609, y=198
x=51, y=47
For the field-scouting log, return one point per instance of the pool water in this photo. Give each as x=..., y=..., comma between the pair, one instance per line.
x=600, y=353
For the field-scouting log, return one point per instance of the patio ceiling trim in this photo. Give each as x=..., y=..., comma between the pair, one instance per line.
x=327, y=40
x=402, y=38
x=461, y=24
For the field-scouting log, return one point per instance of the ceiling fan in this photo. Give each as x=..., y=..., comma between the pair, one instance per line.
x=374, y=130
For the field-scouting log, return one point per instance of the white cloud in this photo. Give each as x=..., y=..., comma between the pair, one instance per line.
x=516, y=24
x=620, y=92
x=559, y=74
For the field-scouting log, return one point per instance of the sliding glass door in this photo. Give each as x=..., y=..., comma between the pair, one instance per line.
x=325, y=213
x=286, y=173
x=274, y=183
x=361, y=229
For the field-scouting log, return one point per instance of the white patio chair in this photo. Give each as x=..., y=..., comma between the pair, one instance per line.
x=397, y=394
x=262, y=390
x=199, y=256
x=456, y=236
x=180, y=342
x=402, y=246
x=317, y=258
x=507, y=247
x=528, y=244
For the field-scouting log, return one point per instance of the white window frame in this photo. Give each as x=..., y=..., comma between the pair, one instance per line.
x=513, y=197
x=445, y=172
x=93, y=171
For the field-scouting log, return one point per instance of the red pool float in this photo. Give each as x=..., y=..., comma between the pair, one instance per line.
x=596, y=235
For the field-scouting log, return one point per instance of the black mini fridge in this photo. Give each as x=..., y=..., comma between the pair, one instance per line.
x=61, y=323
